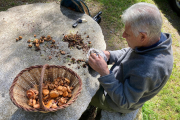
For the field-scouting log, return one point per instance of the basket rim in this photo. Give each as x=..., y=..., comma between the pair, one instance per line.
x=50, y=109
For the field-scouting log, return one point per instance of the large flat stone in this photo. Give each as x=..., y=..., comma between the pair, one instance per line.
x=117, y=116
x=44, y=19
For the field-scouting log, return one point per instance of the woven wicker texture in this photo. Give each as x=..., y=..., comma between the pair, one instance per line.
x=35, y=75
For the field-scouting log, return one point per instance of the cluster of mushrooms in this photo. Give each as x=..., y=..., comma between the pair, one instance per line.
x=37, y=42
x=75, y=40
x=54, y=93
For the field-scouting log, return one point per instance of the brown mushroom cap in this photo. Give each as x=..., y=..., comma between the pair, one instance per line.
x=54, y=94
x=45, y=92
x=54, y=105
x=49, y=104
x=65, y=94
x=46, y=97
x=60, y=92
x=67, y=80
x=63, y=100
x=30, y=102
x=30, y=94
x=69, y=95
x=35, y=91
x=36, y=106
x=60, y=88
x=64, y=89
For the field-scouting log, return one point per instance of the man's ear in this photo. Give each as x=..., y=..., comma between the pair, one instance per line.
x=143, y=36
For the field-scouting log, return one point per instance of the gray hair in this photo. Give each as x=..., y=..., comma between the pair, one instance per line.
x=143, y=17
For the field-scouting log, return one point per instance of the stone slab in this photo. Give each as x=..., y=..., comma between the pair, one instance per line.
x=44, y=19
x=117, y=116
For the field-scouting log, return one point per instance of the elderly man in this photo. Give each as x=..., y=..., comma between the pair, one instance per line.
x=140, y=71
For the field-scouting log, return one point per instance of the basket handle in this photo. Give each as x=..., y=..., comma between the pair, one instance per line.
x=40, y=86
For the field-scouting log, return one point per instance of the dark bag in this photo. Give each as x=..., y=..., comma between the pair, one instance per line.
x=76, y=5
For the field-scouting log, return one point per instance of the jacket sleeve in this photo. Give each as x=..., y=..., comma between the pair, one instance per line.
x=114, y=55
x=124, y=95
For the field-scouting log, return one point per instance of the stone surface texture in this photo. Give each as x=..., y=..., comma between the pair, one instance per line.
x=117, y=116
x=44, y=19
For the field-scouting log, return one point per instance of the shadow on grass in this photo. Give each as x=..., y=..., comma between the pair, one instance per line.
x=6, y=4
x=172, y=17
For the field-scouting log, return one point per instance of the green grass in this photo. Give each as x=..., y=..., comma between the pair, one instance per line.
x=166, y=104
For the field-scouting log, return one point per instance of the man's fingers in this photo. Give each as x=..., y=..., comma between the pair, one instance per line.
x=91, y=59
x=93, y=55
x=99, y=56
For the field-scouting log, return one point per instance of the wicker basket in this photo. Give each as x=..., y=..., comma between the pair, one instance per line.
x=35, y=75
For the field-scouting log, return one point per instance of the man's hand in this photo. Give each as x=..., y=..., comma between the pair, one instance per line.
x=107, y=53
x=98, y=64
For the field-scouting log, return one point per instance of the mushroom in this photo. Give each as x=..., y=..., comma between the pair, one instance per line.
x=35, y=91
x=61, y=82
x=48, y=37
x=68, y=89
x=30, y=94
x=35, y=41
x=44, y=86
x=30, y=102
x=37, y=44
x=34, y=102
x=41, y=41
x=55, y=82
x=54, y=94
x=63, y=100
x=20, y=37
x=65, y=93
x=53, y=41
x=71, y=87
x=59, y=103
x=29, y=45
x=45, y=92
x=60, y=88
x=64, y=89
x=37, y=106
x=45, y=39
x=28, y=41
x=54, y=105
x=59, y=78
x=62, y=52
x=60, y=92
x=46, y=97
x=49, y=104
x=69, y=95
x=67, y=80
x=51, y=86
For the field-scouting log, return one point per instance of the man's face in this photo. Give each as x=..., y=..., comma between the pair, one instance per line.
x=131, y=39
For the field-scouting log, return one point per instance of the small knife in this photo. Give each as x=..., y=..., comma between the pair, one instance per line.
x=79, y=20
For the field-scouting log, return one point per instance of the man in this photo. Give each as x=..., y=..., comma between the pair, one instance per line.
x=140, y=71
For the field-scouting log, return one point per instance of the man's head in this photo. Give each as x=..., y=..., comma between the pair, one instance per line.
x=143, y=24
